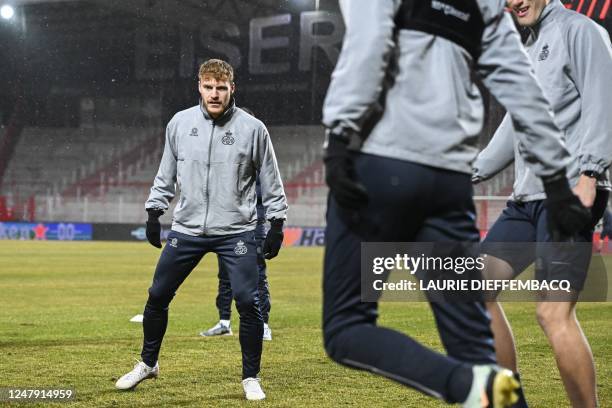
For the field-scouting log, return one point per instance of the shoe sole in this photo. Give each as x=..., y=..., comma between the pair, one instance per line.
x=154, y=376
x=216, y=335
x=505, y=388
x=256, y=399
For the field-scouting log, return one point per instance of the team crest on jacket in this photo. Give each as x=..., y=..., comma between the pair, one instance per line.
x=194, y=132
x=543, y=53
x=227, y=139
x=240, y=249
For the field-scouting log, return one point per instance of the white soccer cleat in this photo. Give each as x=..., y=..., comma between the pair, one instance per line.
x=252, y=389
x=218, y=329
x=140, y=373
x=267, y=332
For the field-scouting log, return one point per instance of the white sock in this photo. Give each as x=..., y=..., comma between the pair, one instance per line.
x=225, y=323
x=266, y=326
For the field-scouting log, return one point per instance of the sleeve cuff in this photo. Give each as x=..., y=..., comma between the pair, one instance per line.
x=155, y=208
x=279, y=215
x=591, y=163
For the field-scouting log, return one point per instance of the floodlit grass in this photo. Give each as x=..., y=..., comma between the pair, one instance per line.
x=64, y=322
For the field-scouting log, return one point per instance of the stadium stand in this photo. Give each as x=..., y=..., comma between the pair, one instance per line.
x=103, y=174
x=49, y=163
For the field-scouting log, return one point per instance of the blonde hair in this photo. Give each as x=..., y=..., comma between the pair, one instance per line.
x=217, y=69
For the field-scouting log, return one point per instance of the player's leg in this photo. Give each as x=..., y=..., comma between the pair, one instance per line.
x=176, y=262
x=505, y=259
x=558, y=319
x=572, y=351
x=352, y=337
x=224, y=295
x=463, y=322
x=398, y=193
x=238, y=253
x=264, y=287
x=505, y=349
x=464, y=326
x=224, y=305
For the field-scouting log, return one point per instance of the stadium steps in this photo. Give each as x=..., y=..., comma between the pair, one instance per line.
x=11, y=136
x=114, y=171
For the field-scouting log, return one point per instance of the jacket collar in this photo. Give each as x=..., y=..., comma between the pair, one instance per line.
x=551, y=9
x=225, y=116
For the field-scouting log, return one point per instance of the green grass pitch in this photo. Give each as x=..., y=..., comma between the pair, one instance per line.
x=64, y=322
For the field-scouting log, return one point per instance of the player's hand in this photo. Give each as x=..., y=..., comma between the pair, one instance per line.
x=274, y=239
x=565, y=213
x=340, y=175
x=586, y=190
x=154, y=228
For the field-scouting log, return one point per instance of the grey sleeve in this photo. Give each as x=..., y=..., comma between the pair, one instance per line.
x=507, y=73
x=272, y=191
x=590, y=57
x=164, y=185
x=498, y=154
x=357, y=80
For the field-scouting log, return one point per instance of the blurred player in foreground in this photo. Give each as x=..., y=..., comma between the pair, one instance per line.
x=572, y=59
x=402, y=115
x=214, y=152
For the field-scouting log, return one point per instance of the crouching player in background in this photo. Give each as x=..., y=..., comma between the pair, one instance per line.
x=224, y=295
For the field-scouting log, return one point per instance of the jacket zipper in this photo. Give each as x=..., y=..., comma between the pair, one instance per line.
x=212, y=132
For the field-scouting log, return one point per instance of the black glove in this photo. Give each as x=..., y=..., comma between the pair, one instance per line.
x=274, y=239
x=340, y=175
x=154, y=227
x=565, y=213
x=606, y=230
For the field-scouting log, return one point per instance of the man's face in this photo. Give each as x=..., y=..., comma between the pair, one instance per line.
x=527, y=12
x=216, y=95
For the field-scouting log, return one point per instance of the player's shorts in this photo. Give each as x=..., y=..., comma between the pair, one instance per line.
x=520, y=236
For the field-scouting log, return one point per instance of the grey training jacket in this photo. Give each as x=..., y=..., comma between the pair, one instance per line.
x=215, y=165
x=572, y=58
x=433, y=110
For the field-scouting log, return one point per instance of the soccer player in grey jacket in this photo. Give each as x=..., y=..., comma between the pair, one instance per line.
x=572, y=59
x=403, y=115
x=213, y=152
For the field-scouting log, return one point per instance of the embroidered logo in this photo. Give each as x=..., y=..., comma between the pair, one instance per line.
x=240, y=249
x=173, y=242
x=194, y=132
x=227, y=139
x=543, y=53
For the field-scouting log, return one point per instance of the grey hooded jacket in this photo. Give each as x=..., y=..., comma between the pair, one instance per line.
x=572, y=58
x=215, y=164
x=433, y=110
